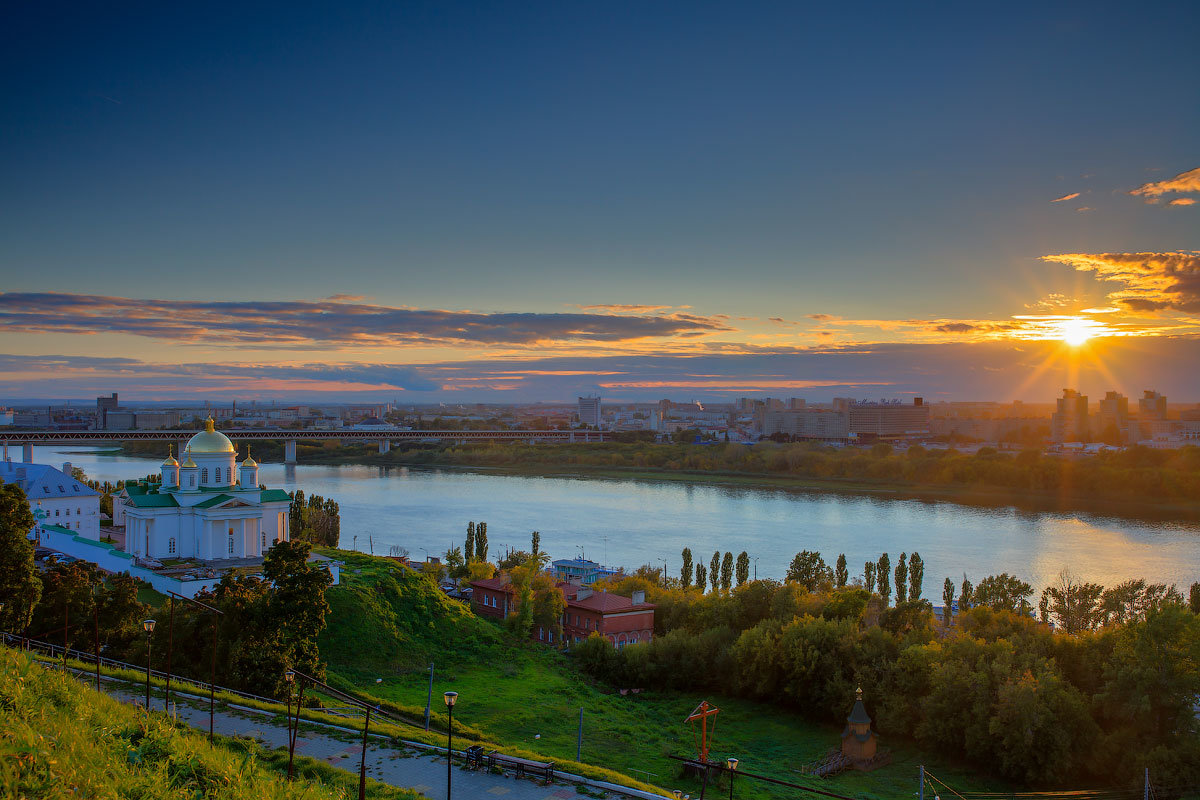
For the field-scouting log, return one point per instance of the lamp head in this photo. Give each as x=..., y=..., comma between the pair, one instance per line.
x=732, y=764
x=289, y=676
x=451, y=699
x=148, y=625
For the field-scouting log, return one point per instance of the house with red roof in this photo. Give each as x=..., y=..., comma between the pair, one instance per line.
x=622, y=620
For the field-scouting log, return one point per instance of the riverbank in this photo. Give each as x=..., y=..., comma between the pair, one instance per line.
x=577, y=461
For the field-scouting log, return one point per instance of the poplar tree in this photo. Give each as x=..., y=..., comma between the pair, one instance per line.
x=901, y=579
x=1194, y=598
x=727, y=572
x=469, y=549
x=481, y=543
x=883, y=574
x=947, y=601
x=685, y=572
x=916, y=576
x=840, y=575
x=714, y=570
x=869, y=576
x=967, y=595
x=743, y=568
x=536, y=543
x=701, y=576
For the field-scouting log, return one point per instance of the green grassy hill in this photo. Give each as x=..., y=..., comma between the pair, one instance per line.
x=388, y=623
x=61, y=739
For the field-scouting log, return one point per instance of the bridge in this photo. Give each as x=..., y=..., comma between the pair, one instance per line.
x=289, y=437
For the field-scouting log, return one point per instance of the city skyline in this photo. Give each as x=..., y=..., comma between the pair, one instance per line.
x=516, y=205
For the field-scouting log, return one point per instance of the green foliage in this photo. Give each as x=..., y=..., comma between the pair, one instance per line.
x=840, y=574
x=947, y=601
x=685, y=572
x=916, y=575
x=727, y=572
x=20, y=587
x=481, y=542
x=1194, y=598
x=743, y=567
x=883, y=574
x=714, y=570
x=701, y=577
x=966, y=598
x=1003, y=592
x=315, y=520
x=809, y=570
x=902, y=579
x=869, y=576
x=468, y=552
x=60, y=741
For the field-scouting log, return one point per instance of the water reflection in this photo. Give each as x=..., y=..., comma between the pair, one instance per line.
x=646, y=521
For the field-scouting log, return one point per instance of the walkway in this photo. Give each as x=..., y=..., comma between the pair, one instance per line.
x=387, y=763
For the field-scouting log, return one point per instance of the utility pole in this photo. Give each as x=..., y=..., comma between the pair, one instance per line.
x=579, y=737
x=921, y=783
x=1146, y=788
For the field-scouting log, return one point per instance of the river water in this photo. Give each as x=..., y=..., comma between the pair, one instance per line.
x=628, y=522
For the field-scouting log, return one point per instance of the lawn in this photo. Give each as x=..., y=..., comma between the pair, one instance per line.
x=388, y=623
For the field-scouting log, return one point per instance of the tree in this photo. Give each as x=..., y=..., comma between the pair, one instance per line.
x=701, y=577
x=1003, y=592
x=809, y=570
x=296, y=607
x=521, y=623
x=902, y=579
x=481, y=542
x=535, y=543
x=714, y=570
x=1194, y=598
x=65, y=610
x=298, y=515
x=840, y=575
x=869, y=576
x=549, y=604
x=685, y=572
x=947, y=601
x=966, y=597
x=883, y=574
x=20, y=587
x=727, y=572
x=469, y=549
x=743, y=567
x=916, y=576
x=455, y=565
x=1073, y=606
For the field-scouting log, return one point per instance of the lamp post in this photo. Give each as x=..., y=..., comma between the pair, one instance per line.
x=148, y=627
x=451, y=699
x=731, y=764
x=293, y=721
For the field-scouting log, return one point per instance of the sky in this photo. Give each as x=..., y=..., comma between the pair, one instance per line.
x=518, y=202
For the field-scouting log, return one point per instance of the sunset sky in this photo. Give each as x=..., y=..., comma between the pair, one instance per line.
x=514, y=202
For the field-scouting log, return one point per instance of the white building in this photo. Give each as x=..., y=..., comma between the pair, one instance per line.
x=55, y=497
x=589, y=411
x=202, y=509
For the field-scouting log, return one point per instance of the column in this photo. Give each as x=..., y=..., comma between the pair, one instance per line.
x=384, y=447
x=27, y=452
x=289, y=451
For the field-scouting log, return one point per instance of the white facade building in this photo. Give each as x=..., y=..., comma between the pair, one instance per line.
x=202, y=509
x=55, y=497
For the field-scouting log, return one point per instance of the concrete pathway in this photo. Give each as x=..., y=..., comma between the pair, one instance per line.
x=399, y=766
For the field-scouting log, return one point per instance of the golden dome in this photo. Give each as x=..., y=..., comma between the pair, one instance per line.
x=170, y=462
x=210, y=440
x=189, y=464
x=249, y=462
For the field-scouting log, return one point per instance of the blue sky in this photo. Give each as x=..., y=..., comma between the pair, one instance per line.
x=741, y=179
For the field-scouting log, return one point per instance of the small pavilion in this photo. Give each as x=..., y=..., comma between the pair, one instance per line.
x=858, y=740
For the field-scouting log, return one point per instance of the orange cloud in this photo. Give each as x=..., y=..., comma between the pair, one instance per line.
x=1153, y=281
x=1183, y=183
x=1065, y=197
x=1182, y=201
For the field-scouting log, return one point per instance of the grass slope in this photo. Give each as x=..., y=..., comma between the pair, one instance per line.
x=60, y=739
x=388, y=623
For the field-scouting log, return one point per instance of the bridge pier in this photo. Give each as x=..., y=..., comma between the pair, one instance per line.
x=27, y=452
x=572, y=437
x=384, y=447
x=289, y=451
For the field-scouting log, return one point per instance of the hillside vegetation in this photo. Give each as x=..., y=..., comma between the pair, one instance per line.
x=60, y=739
x=387, y=623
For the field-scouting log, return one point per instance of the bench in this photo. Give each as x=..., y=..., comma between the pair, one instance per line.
x=521, y=766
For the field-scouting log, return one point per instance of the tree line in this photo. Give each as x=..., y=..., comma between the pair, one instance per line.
x=270, y=623
x=1096, y=700
x=317, y=520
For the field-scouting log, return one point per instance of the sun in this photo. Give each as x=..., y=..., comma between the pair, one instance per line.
x=1075, y=332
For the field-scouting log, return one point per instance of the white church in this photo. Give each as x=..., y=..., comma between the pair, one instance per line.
x=202, y=509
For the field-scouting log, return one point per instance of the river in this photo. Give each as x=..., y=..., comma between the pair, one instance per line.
x=633, y=522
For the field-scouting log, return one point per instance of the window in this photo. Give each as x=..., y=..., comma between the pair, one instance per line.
x=264, y=538
x=191, y=481
x=56, y=512
x=204, y=475
x=231, y=545
x=68, y=512
x=171, y=545
x=79, y=511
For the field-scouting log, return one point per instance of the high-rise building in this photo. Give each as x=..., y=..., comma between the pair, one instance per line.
x=589, y=411
x=103, y=406
x=1113, y=419
x=1069, y=423
x=1152, y=406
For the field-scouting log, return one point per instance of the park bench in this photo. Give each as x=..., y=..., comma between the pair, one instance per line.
x=521, y=766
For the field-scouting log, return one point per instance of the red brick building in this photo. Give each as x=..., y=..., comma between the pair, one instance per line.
x=622, y=620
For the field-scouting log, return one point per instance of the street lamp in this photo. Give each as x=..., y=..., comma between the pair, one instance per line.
x=148, y=627
x=731, y=764
x=293, y=719
x=451, y=699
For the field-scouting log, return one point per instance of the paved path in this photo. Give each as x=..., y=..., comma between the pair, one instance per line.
x=387, y=763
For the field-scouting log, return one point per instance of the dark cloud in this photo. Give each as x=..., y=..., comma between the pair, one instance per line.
x=330, y=323
x=956, y=327
x=1153, y=281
